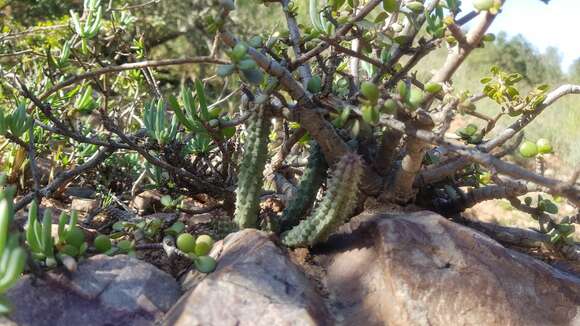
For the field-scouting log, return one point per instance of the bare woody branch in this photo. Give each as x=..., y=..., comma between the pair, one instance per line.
x=556, y=187
x=448, y=169
x=61, y=179
x=129, y=66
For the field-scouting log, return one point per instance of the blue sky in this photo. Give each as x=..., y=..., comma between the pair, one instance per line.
x=556, y=24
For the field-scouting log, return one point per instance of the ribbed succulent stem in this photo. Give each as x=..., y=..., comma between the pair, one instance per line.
x=338, y=203
x=250, y=178
x=311, y=180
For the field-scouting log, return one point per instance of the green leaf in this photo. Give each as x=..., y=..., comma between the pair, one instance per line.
x=549, y=207
x=247, y=64
x=390, y=5
x=225, y=70
x=179, y=113
x=202, y=100
x=314, y=84
x=370, y=114
x=253, y=76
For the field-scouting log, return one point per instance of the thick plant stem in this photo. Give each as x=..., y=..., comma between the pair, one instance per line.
x=387, y=151
x=336, y=206
x=412, y=161
x=314, y=175
x=250, y=179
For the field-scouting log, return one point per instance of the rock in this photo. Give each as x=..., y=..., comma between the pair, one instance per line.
x=84, y=205
x=80, y=192
x=104, y=290
x=421, y=269
x=149, y=201
x=255, y=283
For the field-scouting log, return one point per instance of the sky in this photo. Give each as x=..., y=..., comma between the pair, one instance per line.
x=556, y=24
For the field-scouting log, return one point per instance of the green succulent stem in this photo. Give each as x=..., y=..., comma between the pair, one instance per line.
x=310, y=182
x=250, y=178
x=337, y=205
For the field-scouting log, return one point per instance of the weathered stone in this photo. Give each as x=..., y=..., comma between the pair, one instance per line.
x=84, y=205
x=255, y=283
x=147, y=202
x=104, y=290
x=80, y=192
x=421, y=269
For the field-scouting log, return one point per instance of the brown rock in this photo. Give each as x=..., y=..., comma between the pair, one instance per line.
x=255, y=283
x=104, y=290
x=84, y=205
x=421, y=269
x=147, y=202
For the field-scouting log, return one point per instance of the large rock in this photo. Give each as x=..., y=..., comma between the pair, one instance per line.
x=407, y=269
x=255, y=283
x=104, y=290
x=421, y=269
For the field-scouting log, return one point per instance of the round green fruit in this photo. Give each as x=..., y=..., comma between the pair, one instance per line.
x=415, y=6
x=314, y=85
x=102, y=243
x=489, y=37
x=403, y=90
x=416, y=98
x=433, y=87
x=390, y=5
x=186, y=242
x=203, y=245
x=370, y=91
x=75, y=237
x=205, y=264
x=390, y=106
x=204, y=238
x=125, y=245
x=238, y=52
x=202, y=249
x=482, y=4
x=544, y=146
x=528, y=149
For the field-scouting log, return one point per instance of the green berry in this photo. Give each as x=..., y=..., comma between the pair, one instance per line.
x=415, y=6
x=416, y=98
x=125, y=245
x=203, y=245
x=225, y=70
x=202, y=249
x=390, y=106
x=369, y=114
x=186, y=242
x=239, y=52
x=102, y=243
x=528, y=149
x=403, y=89
x=314, y=84
x=75, y=237
x=205, y=264
x=482, y=4
x=390, y=5
x=206, y=239
x=544, y=146
x=489, y=37
x=255, y=41
x=433, y=87
x=370, y=91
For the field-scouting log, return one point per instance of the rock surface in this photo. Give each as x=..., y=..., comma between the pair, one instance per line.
x=255, y=283
x=409, y=269
x=84, y=205
x=421, y=269
x=104, y=290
